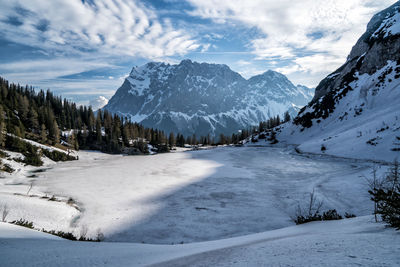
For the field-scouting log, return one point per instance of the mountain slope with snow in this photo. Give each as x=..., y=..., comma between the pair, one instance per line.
x=200, y=98
x=356, y=109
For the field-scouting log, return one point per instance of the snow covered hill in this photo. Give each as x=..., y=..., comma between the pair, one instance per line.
x=356, y=109
x=349, y=242
x=193, y=98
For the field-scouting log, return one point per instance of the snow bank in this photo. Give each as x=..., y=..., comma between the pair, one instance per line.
x=357, y=241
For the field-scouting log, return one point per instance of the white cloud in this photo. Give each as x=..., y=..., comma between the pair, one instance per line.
x=113, y=27
x=34, y=70
x=243, y=62
x=98, y=102
x=314, y=35
x=313, y=64
x=44, y=74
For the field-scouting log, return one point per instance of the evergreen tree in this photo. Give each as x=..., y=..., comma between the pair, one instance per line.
x=387, y=197
x=287, y=117
x=99, y=137
x=222, y=139
x=33, y=121
x=188, y=140
x=171, y=140
x=43, y=134
x=2, y=128
x=194, y=140
x=55, y=132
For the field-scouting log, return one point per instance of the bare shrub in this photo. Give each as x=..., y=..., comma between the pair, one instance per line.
x=30, y=188
x=311, y=212
x=4, y=212
x=375, y=182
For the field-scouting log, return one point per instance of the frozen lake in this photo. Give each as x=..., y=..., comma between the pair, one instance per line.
x=202, y=195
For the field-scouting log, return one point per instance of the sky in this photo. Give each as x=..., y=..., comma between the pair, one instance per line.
x=83, y=49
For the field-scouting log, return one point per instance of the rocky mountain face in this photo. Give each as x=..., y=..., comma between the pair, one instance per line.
x=200, y=98
x=357, y=107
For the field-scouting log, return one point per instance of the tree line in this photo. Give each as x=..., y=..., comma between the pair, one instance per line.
x=48, y=119
x=273, y=122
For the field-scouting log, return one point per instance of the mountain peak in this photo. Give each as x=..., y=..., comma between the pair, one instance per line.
x=203, y=98
x=271, y=72
x=186, y=61
x=269, y=76
x=146, y=67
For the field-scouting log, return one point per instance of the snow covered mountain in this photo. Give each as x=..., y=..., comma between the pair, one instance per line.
x=356, y=109
x=200, y=98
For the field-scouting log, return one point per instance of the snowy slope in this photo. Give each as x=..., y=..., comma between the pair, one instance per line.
x=356, y=110
x=204, y=98
x=349, y=242
x=24, y=200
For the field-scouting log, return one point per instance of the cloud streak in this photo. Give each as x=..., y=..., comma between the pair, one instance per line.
x=78, y=36
x=113, y=27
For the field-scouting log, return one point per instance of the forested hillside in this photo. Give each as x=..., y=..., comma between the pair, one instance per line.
x=48, y=119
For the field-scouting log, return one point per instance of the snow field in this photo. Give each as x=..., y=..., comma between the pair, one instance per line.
x=350, y=242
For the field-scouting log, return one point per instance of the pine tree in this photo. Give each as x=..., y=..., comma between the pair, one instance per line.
x=43, y=134
x=56, y=132
x=222, y=139
x=33, y=122
x=387, y=197
x=99, y=137
x=72, y=140
x=287, y=117
x=171, y=139
x=2, y=128
x=188, y=140
x=194, y=140
x=17, y=131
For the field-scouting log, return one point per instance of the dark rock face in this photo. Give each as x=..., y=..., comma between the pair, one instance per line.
x=377, y=45
x=200, y=98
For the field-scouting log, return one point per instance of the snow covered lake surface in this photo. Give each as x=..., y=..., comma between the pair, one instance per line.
x=188, y=196
x=196, y=196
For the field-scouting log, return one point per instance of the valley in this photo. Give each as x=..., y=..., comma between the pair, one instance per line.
x=192, y=162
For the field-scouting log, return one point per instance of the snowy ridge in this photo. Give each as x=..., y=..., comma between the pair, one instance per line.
x=389, y=26
x=193, y=98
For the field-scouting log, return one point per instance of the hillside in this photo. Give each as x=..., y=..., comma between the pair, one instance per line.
x=355, y=111
x=47, y=119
